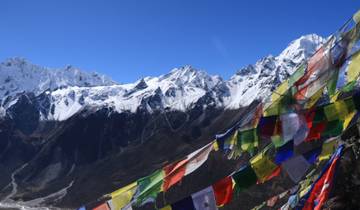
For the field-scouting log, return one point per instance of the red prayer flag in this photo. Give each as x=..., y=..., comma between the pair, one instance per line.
x=275, y=173
x=315, y=131
x=223, y=191
x=321, y=189
x=318, y=62
x=174, y=173
x=103, y=206
x=258, y=114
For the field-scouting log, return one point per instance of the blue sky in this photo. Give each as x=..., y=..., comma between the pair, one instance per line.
x=130, y=39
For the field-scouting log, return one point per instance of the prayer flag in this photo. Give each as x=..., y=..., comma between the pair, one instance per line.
x=321, y=188
x=204, y=199
x=284, y=153
x=312, y=155
x=244, y=178
x=262, y=166
x=123, y=196
x=275, y=173
x=328, y=149
x=302, y=132
x=337, y=110
x=174, y=173
x=290, y=125
x=197, y=158
x=223, y=190
x=272, y=201
x=168, y=207
x=266, y=126
x=300, y=71
x=313, y=99
x=184, y=204
x=331, y=85
x=103, y=206
x=279, y=91
x=333, y=128
x=257, y=115
x=249, y=140
x=316, y=131
x=348, y=119
x=149, y=187
x=296, y=167
x=316, y=65
x=354, y=67
x=277, y=141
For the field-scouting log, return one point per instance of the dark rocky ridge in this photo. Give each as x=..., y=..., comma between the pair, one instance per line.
x=100, y=151
x=94, y=146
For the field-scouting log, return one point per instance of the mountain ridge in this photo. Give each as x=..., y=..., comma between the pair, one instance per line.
x=67, y=91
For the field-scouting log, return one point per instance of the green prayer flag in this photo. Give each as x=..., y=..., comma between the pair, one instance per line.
x=333, y=128
x=244, y=178
x=277, y=141
x=249, y=140
x=297, y=75
x=331, y=85
x=149, y=187
x=350, y=104
x=348, y=87
x=281, y=105
x=319, y=115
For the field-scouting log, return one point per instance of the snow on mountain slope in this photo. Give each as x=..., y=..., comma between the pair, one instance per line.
x=258, y=80
x=17, y=75
x=176, y=90
x=69, y=90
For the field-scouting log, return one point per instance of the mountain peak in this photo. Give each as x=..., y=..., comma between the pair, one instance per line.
x=70, y=89
x=14, y=61
x=141, y=85
x=301, y=47
x=18, y=75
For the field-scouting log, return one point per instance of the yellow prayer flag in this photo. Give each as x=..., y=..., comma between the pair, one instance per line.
x=328, y=149
x=216, y=146
x=336, y=111
x=313, y=99
x=123, y=196
x=356, y=17
x=330, y=112
x=354, y=68
x=348, y=119
x=280, y=90
x=262, y=166
x=233, y=139
x=272, y=109
x=341, y=109
x=334, y=97
x=168, y=207
x=304, y=191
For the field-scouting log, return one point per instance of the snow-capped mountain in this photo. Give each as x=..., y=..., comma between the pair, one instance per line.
x=256, y=81
x=64, y=127
x=18, y=75
x=61, y=93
